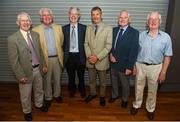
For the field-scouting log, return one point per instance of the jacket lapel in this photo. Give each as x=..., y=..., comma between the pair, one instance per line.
x=22, y=39
x=125, y=33
x=68, y=31
x=79, y=34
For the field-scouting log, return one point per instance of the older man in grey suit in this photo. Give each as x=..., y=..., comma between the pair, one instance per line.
x=98, y=43
x=24, y=54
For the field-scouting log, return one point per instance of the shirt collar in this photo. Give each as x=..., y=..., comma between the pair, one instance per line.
x=75, y=25
x=47, y=27
x=24, y=33
x=147, y=32
x=99, y=24
x=124, y=28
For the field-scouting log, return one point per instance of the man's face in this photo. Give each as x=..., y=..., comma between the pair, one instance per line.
x=24, y=23
x=46, y=18
x=154, y=21
x=123, y=19
x=96, y=16
x=73, y=16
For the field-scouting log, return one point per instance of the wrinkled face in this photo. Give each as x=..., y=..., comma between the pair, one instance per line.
x=73, y=16
x=46, y=18
x=154, y=21
x=24, y=23
x=123, y=19
x=96, y=16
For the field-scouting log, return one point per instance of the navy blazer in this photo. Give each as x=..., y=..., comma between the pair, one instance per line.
x=126, y=49
x=81, y=39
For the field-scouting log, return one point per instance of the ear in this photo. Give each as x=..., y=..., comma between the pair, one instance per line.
x=17, y=22
x=40, y=19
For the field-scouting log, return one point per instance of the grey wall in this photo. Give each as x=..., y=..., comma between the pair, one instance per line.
x=10, y=8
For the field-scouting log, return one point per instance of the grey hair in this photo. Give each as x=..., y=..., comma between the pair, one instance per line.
x=43, y=9
x=74, y=8
x=23, y=13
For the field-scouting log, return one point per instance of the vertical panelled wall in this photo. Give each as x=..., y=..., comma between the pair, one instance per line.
x=10, y=8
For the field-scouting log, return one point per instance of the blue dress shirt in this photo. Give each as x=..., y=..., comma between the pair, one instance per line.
x=50, y=41
x=153, y=50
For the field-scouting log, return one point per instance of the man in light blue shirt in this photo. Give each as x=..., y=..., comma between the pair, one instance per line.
x=155, y=51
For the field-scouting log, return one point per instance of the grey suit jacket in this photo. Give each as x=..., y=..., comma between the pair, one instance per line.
x=20, y=57
x=99, y=45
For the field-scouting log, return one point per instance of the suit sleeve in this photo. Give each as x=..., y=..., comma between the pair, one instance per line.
x=108, y=44
x=61, y=36
x=133, y=51
x=64, y=42
x=14, y=59
x=42, y=60
x=86, y=44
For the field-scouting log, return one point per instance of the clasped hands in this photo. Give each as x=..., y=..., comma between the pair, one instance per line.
x=92, y=59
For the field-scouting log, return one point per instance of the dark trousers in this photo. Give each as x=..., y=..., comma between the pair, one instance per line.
x=74, y=66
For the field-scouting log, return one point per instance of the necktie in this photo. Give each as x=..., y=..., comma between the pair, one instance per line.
x=118, y=37
x=73, y=38
x=96, y=28
x=31, y=47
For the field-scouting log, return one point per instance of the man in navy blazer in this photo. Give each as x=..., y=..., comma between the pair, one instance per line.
x=123, y=57
x=74, y=54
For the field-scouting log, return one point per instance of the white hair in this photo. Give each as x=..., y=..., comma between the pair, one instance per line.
x=20, y=15
x=154, y=12
x=45, y=9
x=123, y=12
x=74, y=8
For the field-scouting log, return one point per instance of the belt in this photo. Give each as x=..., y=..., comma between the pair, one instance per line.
x=52, y=56
x=73, y=53
x=36, y=65
x=149, y=63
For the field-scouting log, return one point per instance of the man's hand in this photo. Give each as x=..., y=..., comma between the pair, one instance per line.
x=44, y=69
x=92, y=59
x=134, y=70
x=162, y=77
x=112, y=58
x=128, y=72
x=23, y=80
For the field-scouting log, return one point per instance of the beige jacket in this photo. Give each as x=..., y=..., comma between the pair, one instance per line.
x=99, y=45
x=59, y=38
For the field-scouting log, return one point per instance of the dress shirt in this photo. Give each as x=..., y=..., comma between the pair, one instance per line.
x=50, y=41
x=153, y=50
x=76, y=49
x=24, y=33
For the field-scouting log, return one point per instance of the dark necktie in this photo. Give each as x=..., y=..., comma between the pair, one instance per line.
x=96, y=28
x=31, y=47
x=73, y=38
x=118, y=37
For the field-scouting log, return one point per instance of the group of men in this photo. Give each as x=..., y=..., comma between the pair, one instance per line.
x=38, y=57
